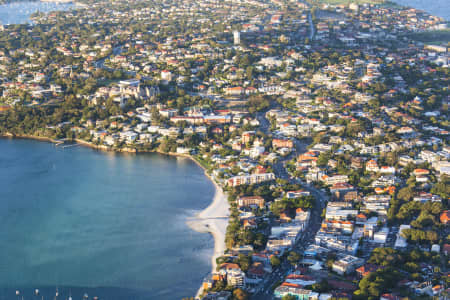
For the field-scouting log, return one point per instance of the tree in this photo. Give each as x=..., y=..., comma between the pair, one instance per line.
x=244, y=262
x=321, y=287
x=293, y=258
x=385, y=257
x=323, y=158
x=240, y=294
x=275, y=261
x=405, y=194
x=257, y=103
x=442, y=188
x=373, y=285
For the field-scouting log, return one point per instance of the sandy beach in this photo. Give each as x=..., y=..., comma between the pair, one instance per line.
x=214, y=220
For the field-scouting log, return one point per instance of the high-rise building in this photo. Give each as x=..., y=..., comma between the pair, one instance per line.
x=237, y=37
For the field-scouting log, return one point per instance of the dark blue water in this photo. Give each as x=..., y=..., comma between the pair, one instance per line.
x=84, y=219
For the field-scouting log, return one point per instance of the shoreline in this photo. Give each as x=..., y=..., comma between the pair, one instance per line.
x=213, y=219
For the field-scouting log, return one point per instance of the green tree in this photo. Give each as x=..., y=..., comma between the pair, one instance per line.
x=275, y=261
x=240, y=294
x=293, y=257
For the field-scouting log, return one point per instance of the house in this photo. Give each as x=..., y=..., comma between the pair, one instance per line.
x=295, y=290
x=429, y=156
x=387, y=170
x=389, y=297
x=330, y=180
x=251, y=201
x=366, y=269
x=235, y=91
x=400, y=241
x=297, y=194
x=222, y=295
x=212, y=119
x=247, y=136
x=280, y=143
x=249, y=223
x=303, y=280
x=344, y=226
x=347, y=264
x=255, y=273
x=343, y=190
x=302, y=216
x=381, y=236
x=446, y=249
x=372, y=166
x=424, y=288
x=445, y=217
x=425, y=197
x=166, y=75
x=361, y=218
x=315, y=250
x=168, y=113
x=437, y=290
x=421, y=172
x=278, y=244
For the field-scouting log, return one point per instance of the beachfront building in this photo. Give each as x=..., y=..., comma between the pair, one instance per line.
x=251, y=201
x=250, y=179
x=236, y=278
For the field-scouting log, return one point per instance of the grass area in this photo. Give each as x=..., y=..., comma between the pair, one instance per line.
x=106, y=82
x=432, y=37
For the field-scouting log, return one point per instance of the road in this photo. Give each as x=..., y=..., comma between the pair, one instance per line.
x=101, y=62
x=311, y=26
x=307, y=238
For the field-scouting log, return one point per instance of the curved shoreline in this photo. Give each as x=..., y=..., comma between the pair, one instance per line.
x=213, y=219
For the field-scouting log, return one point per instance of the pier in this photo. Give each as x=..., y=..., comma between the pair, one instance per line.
x=65, y=143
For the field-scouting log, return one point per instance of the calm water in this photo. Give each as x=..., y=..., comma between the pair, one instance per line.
x=84, y=219
x=440, y=8
x=19, y=12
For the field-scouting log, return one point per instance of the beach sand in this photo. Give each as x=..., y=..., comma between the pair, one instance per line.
x=214, y=220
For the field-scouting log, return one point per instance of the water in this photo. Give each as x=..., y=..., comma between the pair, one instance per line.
x=84, y=219
x=440, y=8
x=20, y=12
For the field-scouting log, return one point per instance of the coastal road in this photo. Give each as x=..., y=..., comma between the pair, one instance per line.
x=311, y=26
x=264, y=290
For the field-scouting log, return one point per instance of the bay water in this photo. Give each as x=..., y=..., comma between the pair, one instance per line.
x=107, y=224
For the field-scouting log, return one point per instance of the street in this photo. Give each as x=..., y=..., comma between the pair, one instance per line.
x=307, y=238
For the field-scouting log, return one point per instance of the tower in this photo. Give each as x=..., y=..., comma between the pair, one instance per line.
x=237, y=37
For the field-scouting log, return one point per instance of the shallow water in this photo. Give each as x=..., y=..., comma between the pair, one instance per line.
x=81, y=218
